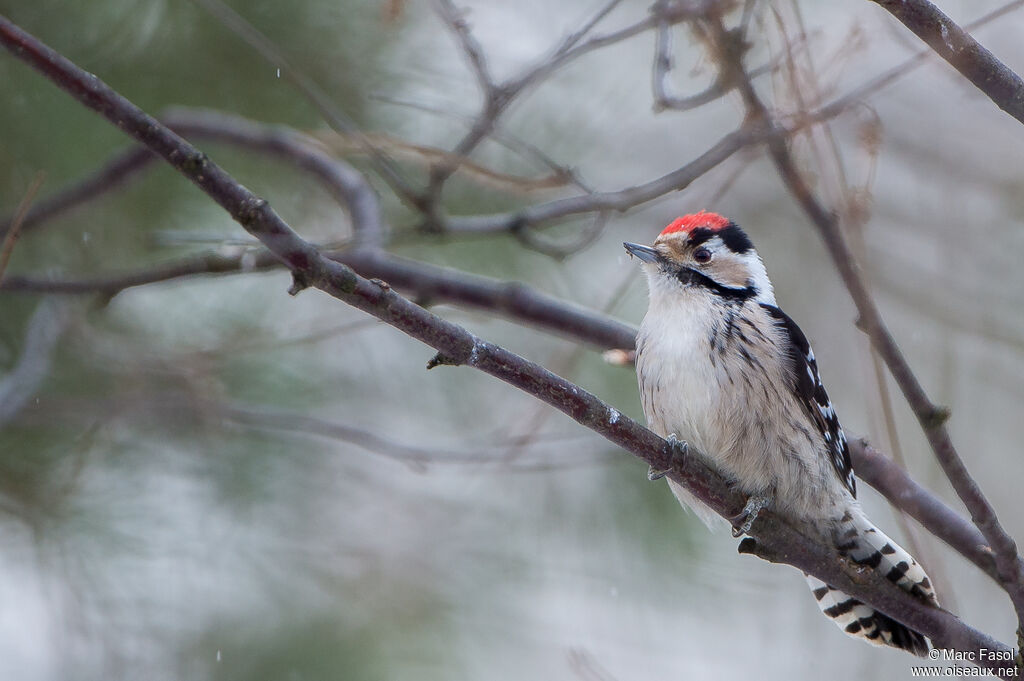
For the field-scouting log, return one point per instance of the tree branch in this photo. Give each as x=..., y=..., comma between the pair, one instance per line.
x=964, y=53
x=519, y=302
x=343, y=182
x=498, y=96
x=620, y=200
x=332, y=115
x=113, y=174
x=773, y=538
x=892, y=75
x=45, y=327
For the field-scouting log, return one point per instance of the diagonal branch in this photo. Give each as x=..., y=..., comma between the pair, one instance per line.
x=519, y=302
x=11, y=236
x=456, y=22
x=113, y=174
x=964, y=53
x=892, y=75
x=21, y=383
x=775, y=539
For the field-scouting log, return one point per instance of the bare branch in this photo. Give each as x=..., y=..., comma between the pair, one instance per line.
x=344, y=183
x=576, y=36
x=459, y=347
x=114, y=173
x=429, y=155
x=671, y=12
x=964, y=53
x=11, y=236
x=875, y=85
x=519, y=302
x=429, y=283
x=499, y=96
x=621, y=200
x=587, y=236
x=773, y=538
x=663, y=65
x=456, y=22
x=418, y=459
x=331, y=114
x=509, y=141
x=21, y=383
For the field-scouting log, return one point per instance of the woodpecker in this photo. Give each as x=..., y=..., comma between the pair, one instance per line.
x=723, y=369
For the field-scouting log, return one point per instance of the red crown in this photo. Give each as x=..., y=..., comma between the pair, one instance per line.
x=711, y=221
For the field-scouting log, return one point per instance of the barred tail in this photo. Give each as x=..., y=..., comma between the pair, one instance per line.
x=865, y=544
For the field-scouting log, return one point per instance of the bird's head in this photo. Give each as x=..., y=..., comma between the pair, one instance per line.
x=705, y=252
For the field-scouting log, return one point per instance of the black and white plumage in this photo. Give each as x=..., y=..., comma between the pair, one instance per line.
x=722, y=368
x=819, y=406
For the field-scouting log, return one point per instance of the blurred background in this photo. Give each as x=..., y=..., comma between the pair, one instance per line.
x=210, y=479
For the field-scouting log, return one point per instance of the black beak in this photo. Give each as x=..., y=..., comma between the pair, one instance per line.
x=645, y=253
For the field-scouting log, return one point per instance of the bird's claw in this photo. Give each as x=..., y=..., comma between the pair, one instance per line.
x=742, y=523
x=676, y=449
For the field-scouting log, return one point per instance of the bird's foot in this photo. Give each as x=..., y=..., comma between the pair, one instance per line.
x=676, y=449
x=742, y=523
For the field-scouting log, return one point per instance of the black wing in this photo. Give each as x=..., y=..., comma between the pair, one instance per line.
x=812, y=394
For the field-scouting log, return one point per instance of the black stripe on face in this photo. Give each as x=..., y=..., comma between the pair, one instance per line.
x=734, y=238
x=688, y=276
x=699, y=236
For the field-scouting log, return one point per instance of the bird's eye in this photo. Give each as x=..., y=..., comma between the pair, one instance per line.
x=702, y=255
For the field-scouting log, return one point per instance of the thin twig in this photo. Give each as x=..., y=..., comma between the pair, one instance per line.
x=417, y=458
x=456, y=23
x=329, y=111
x=574, y=37
x=11, y=237
x=663, y=64
x=114, y=173
x=345, y=184
x=498, y=96
x=512, y=142
x=621, y=200
x=428, y=155
x=20, y=384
